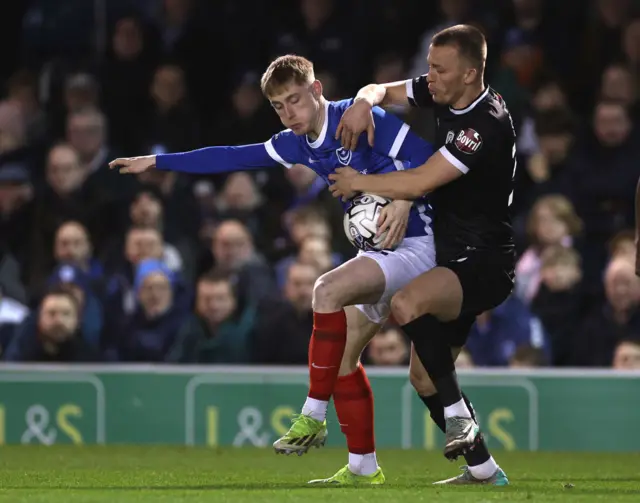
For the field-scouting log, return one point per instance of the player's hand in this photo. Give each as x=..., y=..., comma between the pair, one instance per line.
x=343, y=180
x=394, y=217
x=355, y=119
x=133, y=165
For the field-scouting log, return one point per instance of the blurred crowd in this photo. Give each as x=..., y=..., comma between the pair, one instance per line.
x=101, y=267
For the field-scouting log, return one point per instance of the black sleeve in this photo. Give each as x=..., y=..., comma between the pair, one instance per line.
x=471, y=142
x=418, y=92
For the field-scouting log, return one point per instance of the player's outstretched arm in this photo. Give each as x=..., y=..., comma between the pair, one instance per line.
x=408, y=184
x=208, y=160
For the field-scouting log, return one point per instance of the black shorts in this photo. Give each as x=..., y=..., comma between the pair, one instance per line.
x=487, y=279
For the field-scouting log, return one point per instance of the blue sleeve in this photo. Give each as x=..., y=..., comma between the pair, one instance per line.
x=280, y=149
x=394, y=138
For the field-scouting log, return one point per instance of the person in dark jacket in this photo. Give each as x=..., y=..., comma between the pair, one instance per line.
x=284, y=325
x=54, y=333
x=615, y=319
x=152, y=329
x=220, y=330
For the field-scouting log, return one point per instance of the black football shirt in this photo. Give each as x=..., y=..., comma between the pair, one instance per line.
x=472, y=212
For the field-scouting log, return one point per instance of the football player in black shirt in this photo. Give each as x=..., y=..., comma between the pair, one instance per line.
x=470, y=182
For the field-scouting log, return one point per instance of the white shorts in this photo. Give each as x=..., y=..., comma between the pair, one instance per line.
x=408, y=261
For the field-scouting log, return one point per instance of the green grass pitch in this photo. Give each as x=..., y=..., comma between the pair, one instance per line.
x=176, y=474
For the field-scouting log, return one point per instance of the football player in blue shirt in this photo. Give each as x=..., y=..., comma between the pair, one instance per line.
x=352, y=301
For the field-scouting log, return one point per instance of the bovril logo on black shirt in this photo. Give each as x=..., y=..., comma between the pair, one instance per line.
x=468, y=141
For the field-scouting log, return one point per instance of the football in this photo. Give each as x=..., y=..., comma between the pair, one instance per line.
x=361, y=221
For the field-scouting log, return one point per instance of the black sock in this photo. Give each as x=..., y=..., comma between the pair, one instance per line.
x=480, y=453
x=474, y=457
x=436, y=410
x=429, y=337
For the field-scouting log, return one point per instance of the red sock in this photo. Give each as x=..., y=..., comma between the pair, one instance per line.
x=325, y=353
x=353, y=400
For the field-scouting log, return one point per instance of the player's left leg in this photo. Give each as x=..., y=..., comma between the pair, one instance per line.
x=425, y=307
x=481, y=467
x=359, y=280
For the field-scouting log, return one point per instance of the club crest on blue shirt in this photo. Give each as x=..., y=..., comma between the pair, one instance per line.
x=344, y=156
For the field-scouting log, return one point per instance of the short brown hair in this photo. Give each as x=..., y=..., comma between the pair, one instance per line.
x=215, y=276
x=563, y=210
x=62, y=291
x=283, y=70
x=469, y=41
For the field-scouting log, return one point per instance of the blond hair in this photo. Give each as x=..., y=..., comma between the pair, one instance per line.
x=284, y=70
x=562, y=209
x=560, y=255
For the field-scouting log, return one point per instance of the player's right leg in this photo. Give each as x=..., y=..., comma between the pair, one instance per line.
x=353, y=400
x=358, y=281
x=481, y=467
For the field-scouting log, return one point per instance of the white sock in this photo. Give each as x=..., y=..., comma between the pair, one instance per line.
x=485, y=470
x=458, y=409
x=363, y=464
x=317, y=409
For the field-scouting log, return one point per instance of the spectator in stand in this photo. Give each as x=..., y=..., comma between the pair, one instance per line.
x=388, y=347
x=552, y=221
x=549, y=168
x=560, y=302
x=151, y=331
x=604, y=177
x=627, y=355
x=283, y=326
x=73, y=246
x=173, y=121
x=315, y=251
x=234, y=253
x=86, y=133
x=54, y=333
x=220, y=330
x=617, y=318
x=146, y=211
x=241, y=199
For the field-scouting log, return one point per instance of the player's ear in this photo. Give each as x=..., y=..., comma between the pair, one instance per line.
x=470, y=76
x=316, y=89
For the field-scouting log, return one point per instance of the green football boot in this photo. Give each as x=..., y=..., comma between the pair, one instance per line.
x=305, y=432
